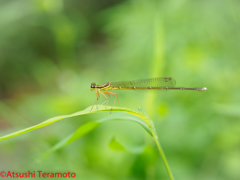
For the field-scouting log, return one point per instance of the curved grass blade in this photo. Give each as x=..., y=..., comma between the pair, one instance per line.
x=88, y=127
x=148, y=122
x=85, y=111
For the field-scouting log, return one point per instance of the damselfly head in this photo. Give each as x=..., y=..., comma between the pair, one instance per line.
x=93, y=85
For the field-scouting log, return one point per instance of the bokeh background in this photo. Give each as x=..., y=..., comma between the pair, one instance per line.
x=51, y=51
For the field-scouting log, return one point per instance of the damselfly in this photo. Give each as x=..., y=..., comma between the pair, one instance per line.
x=164, y=83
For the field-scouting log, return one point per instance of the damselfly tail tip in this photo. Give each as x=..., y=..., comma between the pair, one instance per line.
x=204, y=89
x=201, y=89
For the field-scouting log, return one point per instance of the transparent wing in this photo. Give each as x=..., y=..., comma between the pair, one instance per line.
x=154, y=82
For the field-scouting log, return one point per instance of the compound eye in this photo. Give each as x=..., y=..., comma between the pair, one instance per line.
x=93, y=85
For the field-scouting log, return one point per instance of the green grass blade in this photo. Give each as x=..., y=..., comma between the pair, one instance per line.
x=88, y=127
x=147, y=124
x=117, y=146
x=85, y=111
x=81, y=131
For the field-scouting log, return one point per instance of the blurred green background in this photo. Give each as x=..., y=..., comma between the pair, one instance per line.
x=51, y=51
